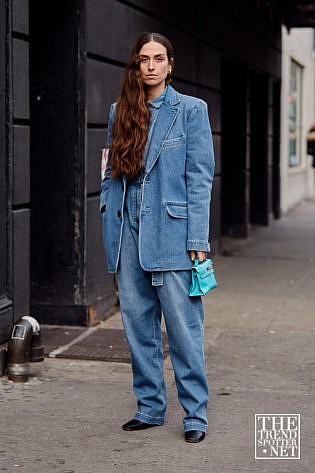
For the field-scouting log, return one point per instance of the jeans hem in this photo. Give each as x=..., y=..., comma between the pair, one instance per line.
x=149, y=419
x=195, y=426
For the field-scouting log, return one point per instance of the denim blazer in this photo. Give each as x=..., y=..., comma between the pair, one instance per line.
x=176, y=189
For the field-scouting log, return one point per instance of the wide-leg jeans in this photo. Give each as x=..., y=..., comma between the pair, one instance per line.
x=144, y=296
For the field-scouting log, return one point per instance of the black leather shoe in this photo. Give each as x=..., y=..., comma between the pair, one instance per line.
x=135, y=424
x=194, y=436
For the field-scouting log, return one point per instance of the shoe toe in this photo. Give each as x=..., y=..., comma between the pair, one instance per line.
x=135, y=424
x=194, y=436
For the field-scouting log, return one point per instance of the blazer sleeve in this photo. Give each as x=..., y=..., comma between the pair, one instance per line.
x=106, y=176
x=199, y=177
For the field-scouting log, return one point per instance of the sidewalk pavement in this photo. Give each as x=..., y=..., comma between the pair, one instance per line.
x=260, y=351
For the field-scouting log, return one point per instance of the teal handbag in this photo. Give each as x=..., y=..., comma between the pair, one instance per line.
x=202, y=278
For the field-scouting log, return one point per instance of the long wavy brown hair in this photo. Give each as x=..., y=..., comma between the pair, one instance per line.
x=132, y=116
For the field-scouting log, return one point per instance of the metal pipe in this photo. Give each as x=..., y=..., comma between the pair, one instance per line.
x=20, y=348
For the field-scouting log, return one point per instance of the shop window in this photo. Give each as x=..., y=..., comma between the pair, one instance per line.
x=295, y=114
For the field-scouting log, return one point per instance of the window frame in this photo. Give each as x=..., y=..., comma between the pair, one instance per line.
x=295, y=115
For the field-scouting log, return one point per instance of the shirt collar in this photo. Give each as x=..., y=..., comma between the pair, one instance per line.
x=157, y=102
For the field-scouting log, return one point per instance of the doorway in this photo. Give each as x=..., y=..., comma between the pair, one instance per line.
x=234, y=190
x=276, y=97
x=57, y=202
x=260, y=180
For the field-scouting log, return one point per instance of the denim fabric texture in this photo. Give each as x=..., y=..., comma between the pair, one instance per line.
x=176, y=189
x=143, y=298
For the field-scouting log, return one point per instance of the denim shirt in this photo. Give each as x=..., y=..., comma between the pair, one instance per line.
x=176, y=188
x=154, y=107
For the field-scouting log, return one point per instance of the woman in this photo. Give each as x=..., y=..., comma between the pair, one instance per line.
x=155, y=203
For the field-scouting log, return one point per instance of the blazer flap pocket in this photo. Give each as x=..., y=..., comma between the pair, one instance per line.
x=177, y=210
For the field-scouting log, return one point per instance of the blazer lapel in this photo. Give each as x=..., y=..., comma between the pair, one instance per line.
x=167, y=115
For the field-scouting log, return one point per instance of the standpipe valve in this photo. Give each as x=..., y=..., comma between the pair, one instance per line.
x=24, y=346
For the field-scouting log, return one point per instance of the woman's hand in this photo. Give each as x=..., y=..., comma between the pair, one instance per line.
x=201, y=255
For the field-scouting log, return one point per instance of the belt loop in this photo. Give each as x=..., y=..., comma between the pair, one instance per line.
x=157, y=278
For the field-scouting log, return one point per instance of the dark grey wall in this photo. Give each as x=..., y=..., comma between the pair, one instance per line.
x=6, y=311
x=15, y=149
x=21, y=158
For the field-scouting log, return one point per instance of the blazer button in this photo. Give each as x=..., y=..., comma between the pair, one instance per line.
x=119, y=213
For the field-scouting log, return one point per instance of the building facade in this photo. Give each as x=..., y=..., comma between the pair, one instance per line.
x=297, y=115
x=61, y=67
